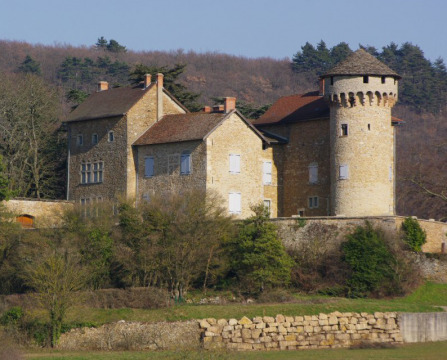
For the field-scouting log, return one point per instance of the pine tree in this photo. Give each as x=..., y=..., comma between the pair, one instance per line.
x=30, y=66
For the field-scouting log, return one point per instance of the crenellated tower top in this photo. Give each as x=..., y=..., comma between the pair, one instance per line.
x=361, y=80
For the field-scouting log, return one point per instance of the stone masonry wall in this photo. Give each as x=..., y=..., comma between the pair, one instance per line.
x=46, y=213
x=234, y=136
x=322, y=331
x=293, y=231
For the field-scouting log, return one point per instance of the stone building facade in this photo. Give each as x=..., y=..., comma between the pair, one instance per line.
x=325, y=153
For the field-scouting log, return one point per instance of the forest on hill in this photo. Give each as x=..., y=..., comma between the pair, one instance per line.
x=63, y=75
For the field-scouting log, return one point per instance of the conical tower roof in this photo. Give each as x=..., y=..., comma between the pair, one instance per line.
x=361, y=63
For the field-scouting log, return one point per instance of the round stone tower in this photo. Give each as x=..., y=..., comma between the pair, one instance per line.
x=361, y=91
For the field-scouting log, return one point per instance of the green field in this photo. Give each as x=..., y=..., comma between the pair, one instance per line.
x=426, y=298
x=428, y=351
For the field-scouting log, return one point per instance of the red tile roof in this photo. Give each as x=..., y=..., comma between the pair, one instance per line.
x=295, y=108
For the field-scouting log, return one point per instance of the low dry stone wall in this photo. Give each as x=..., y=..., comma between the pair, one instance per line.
x=125, y=335
x=322, y=331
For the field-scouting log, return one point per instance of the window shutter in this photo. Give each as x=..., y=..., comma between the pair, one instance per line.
x=313, y=174
x=391, y=173
x=148, y=166
x=343, y=171
x=235, y=203
x=185, y=164
x=235, y=163
x=267, y=172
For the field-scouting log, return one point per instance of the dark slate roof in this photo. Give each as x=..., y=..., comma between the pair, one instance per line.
x=108, y=103
x=186, y=127
x=361, y=63
x=295, y=108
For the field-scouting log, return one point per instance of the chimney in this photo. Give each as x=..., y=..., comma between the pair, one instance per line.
x=321, y=87
x=147, y=80
x=159, y=96
x=218, y=108
x=230, y=104
x=103, y=85
x=206, y=109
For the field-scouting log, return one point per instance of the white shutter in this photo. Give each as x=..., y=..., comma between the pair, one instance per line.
x=313, y=174
x=267, y=172
x=149, y=166
x=235, y=203
x=391, y=173
x=235, y=164
x=185, y=164
x=343, y=171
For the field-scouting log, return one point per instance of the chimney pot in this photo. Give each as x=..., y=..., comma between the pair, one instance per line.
x=321, y=87
x=230, y=104
x=147, y=80
x=103, y=86
x=218, y=108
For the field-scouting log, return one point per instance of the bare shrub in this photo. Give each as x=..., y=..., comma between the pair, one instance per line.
x=317, y=259
x=275, y=296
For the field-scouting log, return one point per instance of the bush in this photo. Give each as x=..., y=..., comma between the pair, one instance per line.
x=375, y=268
x=413, y=235
x=12, y=316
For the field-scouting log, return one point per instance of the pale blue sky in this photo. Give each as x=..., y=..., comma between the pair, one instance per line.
x=273, y=28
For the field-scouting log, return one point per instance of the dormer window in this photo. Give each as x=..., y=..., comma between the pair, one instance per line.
x=366, y=79
x=94, y=139
x=111, y=136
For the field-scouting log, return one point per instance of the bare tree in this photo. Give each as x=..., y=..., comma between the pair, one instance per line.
x=28, y=137
x=55, y=279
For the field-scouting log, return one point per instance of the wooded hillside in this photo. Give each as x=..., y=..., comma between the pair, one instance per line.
x=422, y=148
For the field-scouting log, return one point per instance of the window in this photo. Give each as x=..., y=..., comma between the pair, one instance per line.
x=111, y=136
x=366, y=79
x=235, y=164
x=235, y=203
x=313, y=173
x=313, y=202
x=92, y=173
x=301, y=212
x=267, y=172
x=267, y=204
x=343, y=169
x=149, y=166
x=344, y=130
x=94, y=139
x=369, y=126
x=185, y=163
x=383, y=79
x=332, y=80
x=146, y=197
x=80, y=140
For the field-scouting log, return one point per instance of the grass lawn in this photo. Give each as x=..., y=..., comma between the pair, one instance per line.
x=427, y=351
x=427, y=298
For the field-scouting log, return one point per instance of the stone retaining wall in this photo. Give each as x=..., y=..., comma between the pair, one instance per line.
x=322, y=331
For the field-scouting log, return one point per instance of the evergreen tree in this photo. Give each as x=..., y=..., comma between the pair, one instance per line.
x=170, y=82
x=258, y=258
x=30, y=66
x=115, y=47
x=101, y=43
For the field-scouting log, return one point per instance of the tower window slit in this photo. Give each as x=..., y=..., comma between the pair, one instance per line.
x=369, y=126
x=366, y=79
